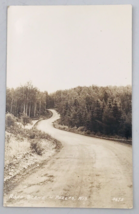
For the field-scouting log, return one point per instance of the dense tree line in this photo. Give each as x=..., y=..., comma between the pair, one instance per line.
x=100, y=110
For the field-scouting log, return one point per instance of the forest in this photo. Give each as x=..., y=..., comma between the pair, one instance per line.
x=99, y=110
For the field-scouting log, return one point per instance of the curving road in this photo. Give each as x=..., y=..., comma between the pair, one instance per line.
x=87, y=172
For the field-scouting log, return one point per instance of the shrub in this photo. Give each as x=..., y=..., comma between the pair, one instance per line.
x=88, y=132
x=25, y=120
x=31, y=134
x=81, y=128
x=36, y=147
x=75, y=127
x=10, y=120
x=39, y=134
x=99, y=134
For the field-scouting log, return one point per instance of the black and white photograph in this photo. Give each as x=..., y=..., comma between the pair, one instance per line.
x=68, y=122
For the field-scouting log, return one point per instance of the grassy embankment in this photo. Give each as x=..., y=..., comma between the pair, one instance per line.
x=25, y=150
x=83, y=131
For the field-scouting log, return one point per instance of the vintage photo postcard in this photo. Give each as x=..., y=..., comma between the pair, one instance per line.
x=68, y=118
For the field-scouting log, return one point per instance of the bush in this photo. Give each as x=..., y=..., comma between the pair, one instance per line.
x=81, y=128
x=31, y=134
x=10, y=120
x=36, y=147
x=99, y=134
x=38, y=134
x=88, y=132
x=25, y=120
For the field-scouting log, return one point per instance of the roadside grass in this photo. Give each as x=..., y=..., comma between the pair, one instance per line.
x=33, y=133
x=20, y=134
x=82, y=130
x=25, y=122
x=25, y=148
x=33, y=136
x=15, y=147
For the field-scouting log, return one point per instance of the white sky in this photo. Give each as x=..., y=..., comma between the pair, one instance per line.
x=61, y=47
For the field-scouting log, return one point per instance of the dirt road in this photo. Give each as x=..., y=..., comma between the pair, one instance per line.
x=87, y=172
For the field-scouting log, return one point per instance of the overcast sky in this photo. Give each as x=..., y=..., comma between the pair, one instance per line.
x=61, y=47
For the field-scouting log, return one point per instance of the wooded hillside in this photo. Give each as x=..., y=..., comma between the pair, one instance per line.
x=100, y=110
